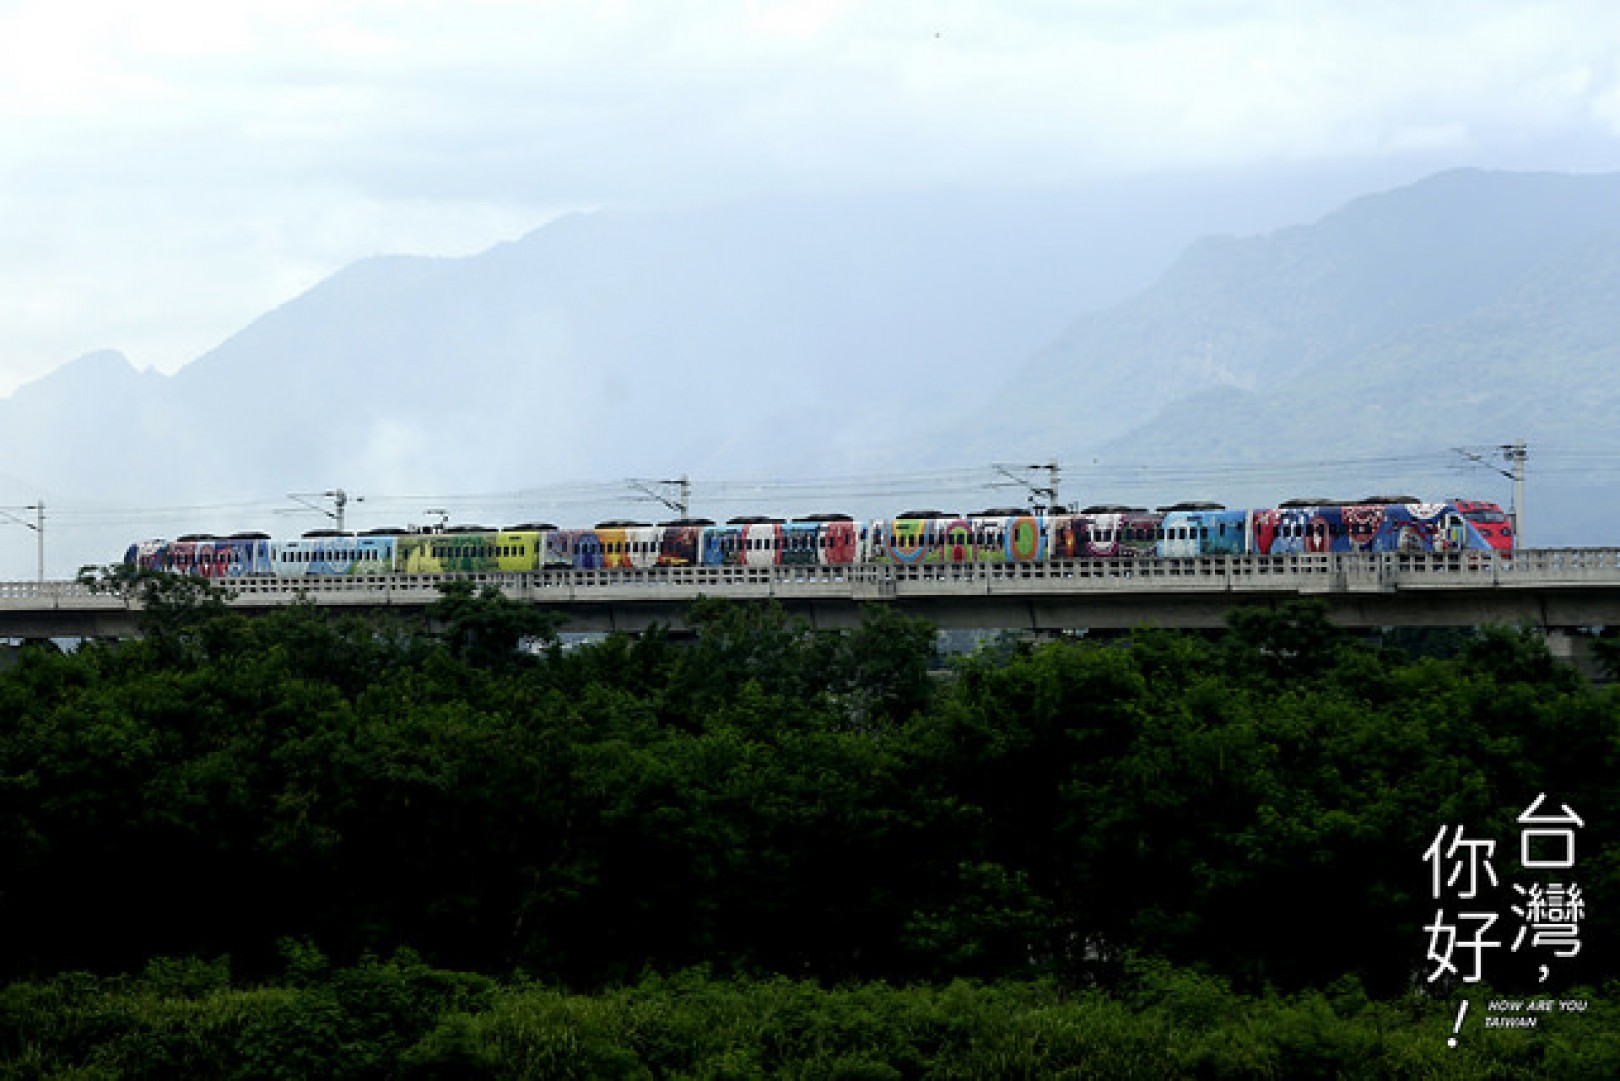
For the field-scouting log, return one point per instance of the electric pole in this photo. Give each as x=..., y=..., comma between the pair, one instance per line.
x=1515, y=454
x=658, y=489
x=339, y=498
x=37, y=525
x=1042, y=497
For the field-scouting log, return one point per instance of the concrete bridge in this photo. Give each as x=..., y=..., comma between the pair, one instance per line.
x=1559, y=590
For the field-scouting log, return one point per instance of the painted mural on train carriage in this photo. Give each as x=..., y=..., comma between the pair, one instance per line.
x=1106, y=533
x=753, y=542
x=465, y=551
x=213, y=557
x=630, y=546
x=337, y=556
x=761, y=544
x=800, y=542
x=840, y=542
x=1202, y=531
x=960, y=540
x=993, y=536
x=1021, y=539
x=681, y=544
x=575, y=549
x=1368, y=527
x=911, y=539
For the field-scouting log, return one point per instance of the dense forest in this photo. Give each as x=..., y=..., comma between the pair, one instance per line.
x=308, y=845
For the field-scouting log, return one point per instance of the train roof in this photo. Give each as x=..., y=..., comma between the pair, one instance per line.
x=1192, y=505
x=1386, y=499
x=926, y=514
x=1112, y=508
x=1003, y=512
x=678, y=522
x=621, y=523
x=753, y=519
x=529, y=527
x=833, y=517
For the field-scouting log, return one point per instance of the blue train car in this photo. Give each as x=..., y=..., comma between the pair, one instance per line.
x=1369, y=526
x=333, y=555
x=1189, y=530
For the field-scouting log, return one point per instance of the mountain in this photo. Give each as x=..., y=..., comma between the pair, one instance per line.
x=787, y=336
x=1470, y=309
x=1252, y=313
x=874, y=335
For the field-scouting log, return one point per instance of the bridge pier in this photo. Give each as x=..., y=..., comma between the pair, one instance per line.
x=1575, y=649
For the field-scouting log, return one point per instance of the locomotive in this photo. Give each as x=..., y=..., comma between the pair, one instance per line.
x=996, y=535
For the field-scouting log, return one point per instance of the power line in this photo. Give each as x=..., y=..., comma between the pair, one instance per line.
x=1092, y=475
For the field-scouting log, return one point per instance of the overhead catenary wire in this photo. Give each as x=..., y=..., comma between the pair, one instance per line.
x=1093, y=478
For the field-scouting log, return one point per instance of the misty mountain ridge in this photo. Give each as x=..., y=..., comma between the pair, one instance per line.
x=808, y=339
x=1254, y=313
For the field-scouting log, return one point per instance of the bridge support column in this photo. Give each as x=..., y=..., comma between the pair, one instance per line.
x=1576, y=650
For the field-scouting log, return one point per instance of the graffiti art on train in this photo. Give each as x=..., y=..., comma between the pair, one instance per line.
x=913, y=538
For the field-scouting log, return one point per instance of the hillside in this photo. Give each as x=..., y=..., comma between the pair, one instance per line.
x=1472, y=309
x=839, y=337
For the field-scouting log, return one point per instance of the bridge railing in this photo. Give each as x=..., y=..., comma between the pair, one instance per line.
x=1304, y=573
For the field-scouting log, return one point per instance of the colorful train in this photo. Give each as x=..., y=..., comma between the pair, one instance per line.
x=1004, y=535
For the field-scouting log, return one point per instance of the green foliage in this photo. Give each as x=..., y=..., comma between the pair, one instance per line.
x=486, y=629
x=296, y=792
x=399, y=1019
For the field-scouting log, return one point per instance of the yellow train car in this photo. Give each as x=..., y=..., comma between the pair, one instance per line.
x=471, y=550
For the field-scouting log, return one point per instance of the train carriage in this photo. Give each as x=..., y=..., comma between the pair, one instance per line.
x=239, y=555
x=1189, y=531
x=762, y=543
x=799, y=544
x=912, y=538
x=147, y=555
x=1009, y=535
x=1398, y=524
x=744, y=542
x=628, y=545
x=1106, y=532
x=324, y=554
x=468, y=550
x=680, y=542
x=248, y=555
x=573, y=549
x=1492, y=524
x=835, y=540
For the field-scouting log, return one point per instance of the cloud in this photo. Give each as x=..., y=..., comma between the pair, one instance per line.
x=171, y=169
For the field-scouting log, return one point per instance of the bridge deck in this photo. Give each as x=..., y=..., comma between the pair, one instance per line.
x=1558, y=588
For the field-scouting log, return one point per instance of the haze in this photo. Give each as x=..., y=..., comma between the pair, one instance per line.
x=174, y=169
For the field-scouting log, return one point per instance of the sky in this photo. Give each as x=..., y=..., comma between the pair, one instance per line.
x=171, y=170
